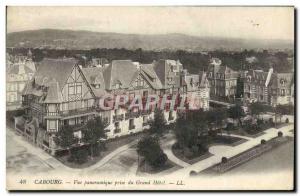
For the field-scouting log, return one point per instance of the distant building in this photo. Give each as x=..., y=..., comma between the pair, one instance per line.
x=268, y=87
x=222, y=80
x=18, y=74
x=197, y=88
x=282, y=89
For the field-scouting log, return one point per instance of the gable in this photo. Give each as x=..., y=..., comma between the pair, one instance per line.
x=139, y=82
x=76, y=87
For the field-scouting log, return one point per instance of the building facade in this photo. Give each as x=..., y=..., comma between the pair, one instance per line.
x=222, y=80
x=268, y=87
x=73, y=95
x=18, y=74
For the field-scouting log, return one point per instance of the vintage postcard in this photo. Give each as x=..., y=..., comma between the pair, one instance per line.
x=150, y=98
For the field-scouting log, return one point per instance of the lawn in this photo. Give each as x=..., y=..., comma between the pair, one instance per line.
x=146, y=168
x=191, y=157
x=111, y=145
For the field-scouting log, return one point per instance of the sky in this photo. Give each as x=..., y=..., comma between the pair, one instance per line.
x=231, y=22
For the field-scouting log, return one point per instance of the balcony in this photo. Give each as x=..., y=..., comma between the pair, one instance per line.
x=78, y=111
x=117, y=118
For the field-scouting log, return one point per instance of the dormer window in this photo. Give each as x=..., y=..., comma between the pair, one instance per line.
x=97, y=85
x=282, y=82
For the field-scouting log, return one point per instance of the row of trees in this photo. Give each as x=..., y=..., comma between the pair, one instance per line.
x=193, y=61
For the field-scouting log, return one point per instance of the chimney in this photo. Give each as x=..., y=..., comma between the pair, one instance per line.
x=269, y=77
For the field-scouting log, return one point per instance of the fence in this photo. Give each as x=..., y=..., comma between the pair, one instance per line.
x=242, y=158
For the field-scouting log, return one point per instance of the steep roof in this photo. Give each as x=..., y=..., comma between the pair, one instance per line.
x=119, y=71
x=150, y=75
x=278, y=78
x=227, y=71
x=94, y=76
x=58, y=70
x=192, y=82
x=20, y=68
x=54, y=94
x=162, y=69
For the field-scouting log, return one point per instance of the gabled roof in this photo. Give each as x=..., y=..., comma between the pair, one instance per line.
x=149, y=74
x=162, y=69
x=94, y=75
x=227, y=71
x=192, y=82
x=119, y=71
x=54, y=70
x=54, y=94
x=287, y=78
x=20, y=68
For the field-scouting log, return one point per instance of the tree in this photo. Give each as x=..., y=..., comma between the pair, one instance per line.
x=93, y=133
x=229, y=128
x=236, y=112
x=158, y=124
x=215, y=118
x=185, y=131
x=149, y=148
x=284, y=110
x=65, y=137
x=257, y=108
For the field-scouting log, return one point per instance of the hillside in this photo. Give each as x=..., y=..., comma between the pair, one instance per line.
x=68, y=39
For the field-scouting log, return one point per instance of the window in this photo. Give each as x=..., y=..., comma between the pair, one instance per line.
x=12, y=98
x=78, y=89
x=52, y=108
x=71, y=90
x=261, y=98
x=145, y=119
x=52, y=125
x=117, y=127
x=131, y=124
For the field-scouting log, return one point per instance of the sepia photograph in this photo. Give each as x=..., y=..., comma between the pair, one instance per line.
x=150, y=98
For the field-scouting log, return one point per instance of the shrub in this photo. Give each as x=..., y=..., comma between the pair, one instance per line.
x=263, y=141
x=224, y=160
x=160, y=160
x=280, y=134
x=287, y=120
x=79, y=156
x=271, y=122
